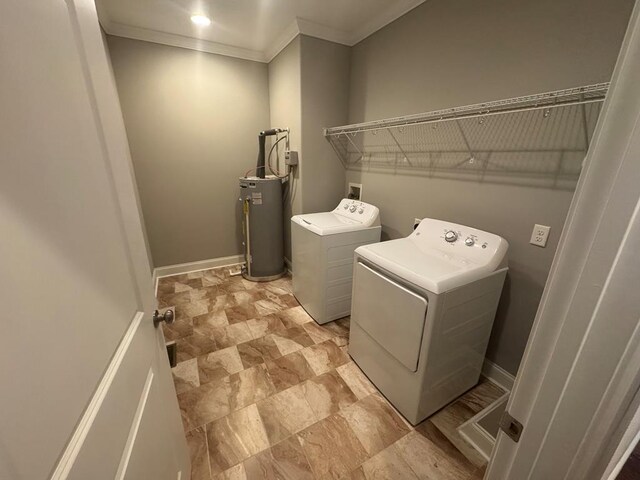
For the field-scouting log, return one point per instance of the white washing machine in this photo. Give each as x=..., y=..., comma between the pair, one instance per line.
x=322, y=247
x=422, y=313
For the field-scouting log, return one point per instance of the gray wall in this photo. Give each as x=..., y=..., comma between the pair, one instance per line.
x=325, y=102
x=192, y=120
x=451, y=53
x=285, y=109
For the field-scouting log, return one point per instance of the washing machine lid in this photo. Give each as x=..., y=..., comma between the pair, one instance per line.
x=427, y=259
x=348, y=216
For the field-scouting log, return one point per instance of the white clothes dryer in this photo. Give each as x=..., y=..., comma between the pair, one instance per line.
x=422, y=313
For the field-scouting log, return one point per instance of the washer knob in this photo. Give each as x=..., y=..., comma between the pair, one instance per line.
x=469, y=242
x=352, y=208
x=450, y=236
x=346, y=206
x=361, y=211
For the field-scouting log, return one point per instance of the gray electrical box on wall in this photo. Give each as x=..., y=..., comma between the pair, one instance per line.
x=291, y=158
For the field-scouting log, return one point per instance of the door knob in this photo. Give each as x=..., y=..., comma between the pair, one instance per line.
x=166, y=317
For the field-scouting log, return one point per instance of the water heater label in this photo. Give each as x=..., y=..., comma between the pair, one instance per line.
x=256, y=198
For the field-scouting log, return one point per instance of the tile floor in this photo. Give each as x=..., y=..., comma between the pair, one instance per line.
x=266, y=393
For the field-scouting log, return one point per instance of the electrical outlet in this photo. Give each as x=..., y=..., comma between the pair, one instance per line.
x=416, y=221
x=540, y=235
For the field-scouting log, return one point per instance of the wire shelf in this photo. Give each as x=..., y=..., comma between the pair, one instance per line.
x=537, y=136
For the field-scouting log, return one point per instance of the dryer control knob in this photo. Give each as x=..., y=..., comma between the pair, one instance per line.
x=469, y=242
x=352, y=208
x=450, y=236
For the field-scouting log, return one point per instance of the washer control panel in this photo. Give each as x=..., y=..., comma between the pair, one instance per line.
x=359, y=211
x=455, y=235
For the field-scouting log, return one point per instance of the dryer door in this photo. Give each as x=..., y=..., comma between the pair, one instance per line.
x=392, y=315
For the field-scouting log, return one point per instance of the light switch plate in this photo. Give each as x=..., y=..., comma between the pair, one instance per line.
x=540, y=235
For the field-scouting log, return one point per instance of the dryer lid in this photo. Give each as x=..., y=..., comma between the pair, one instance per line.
x=427, y=259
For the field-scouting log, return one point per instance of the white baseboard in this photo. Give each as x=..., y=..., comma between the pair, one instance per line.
x=498, y=375
x=181, y=268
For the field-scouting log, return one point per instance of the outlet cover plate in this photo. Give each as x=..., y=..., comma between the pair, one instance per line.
x=540, y=235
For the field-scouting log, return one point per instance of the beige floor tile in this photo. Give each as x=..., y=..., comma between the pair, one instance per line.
x=233, y=334
x=388, y=465
x=255, y=352
x=285, y=414
x=317, y=332
x=289, y=300
x=185, y=375
x=332, y=449
x=249, y=386
x=428, y=461
x=193, y=346
x=328, y=393
x=428, y=430
x=375, y=424
x=265, y=325
x=209, y=323
x=234, y=438
x=234, y=473
x=357, y=381
x=289, y=370
x=292, y=339
x=325, y=356
x=241, y=313
x=199, y=453
x=284, y=461
x=204, y=404
x=192, y=308
x=219, y=364
x=178, y=329
x=295, y=316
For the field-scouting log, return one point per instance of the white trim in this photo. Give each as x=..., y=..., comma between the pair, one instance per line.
x=133, y=432
x=296, y=27
x=284, y=39
x=395, y=11
x=74, y=446
x=498, y=375
x=198, y=266
x=173, y=40
x=475, y=434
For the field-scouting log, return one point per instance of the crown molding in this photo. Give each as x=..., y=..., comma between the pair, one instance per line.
x=295, y=28
x=173, y=40
x=395, y=11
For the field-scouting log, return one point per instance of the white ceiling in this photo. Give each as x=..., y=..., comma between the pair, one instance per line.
x=251, y=29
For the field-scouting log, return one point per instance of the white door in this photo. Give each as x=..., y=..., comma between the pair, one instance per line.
x=577, y=388
x=85, y=385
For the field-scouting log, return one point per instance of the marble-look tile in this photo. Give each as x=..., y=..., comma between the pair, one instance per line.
x=205, y=293
x=289, y=300
x=209, y=323
x=332, y=449
x=428, y=430
x=428, y=461
x=196, y=274
x=481, y=396
x=388, y=465
x=193, y=346
x=192, y=309
x=339, y=327
x=235, y=438
x=185, y=376
x=199, y=453
x=327, y=394
x=325, y=356
x=204, y=404
x=289, y=370
x=249, y=386
x=292, y=339
x=236, y=472
x=165, y=287
x=244, y=297
x=254, y=352
x=375, y=423
x=186, y=284
x=478, y=473
x=285, y=414
x=218, y=304
x=296, y=316
x=174, y=300
x=267, y=307
x=357, y=381
x=178, y=329
x=233, y=334
x=232, y=285
x=219, y=364
x=276, y=288
x=241, y=313
x=210, y=278
x=284, y=461
x=317, y=332
x=357, y=474
x=265, y=325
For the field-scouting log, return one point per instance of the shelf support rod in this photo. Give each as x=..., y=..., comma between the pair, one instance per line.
x=585, y=130
x=406, y=159
x=354, y=146
x=466, y=142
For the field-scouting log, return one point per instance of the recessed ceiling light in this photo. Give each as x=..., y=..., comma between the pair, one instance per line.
x=201, y=20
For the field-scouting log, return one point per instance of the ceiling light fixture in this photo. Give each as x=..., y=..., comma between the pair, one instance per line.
x=201, y=20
